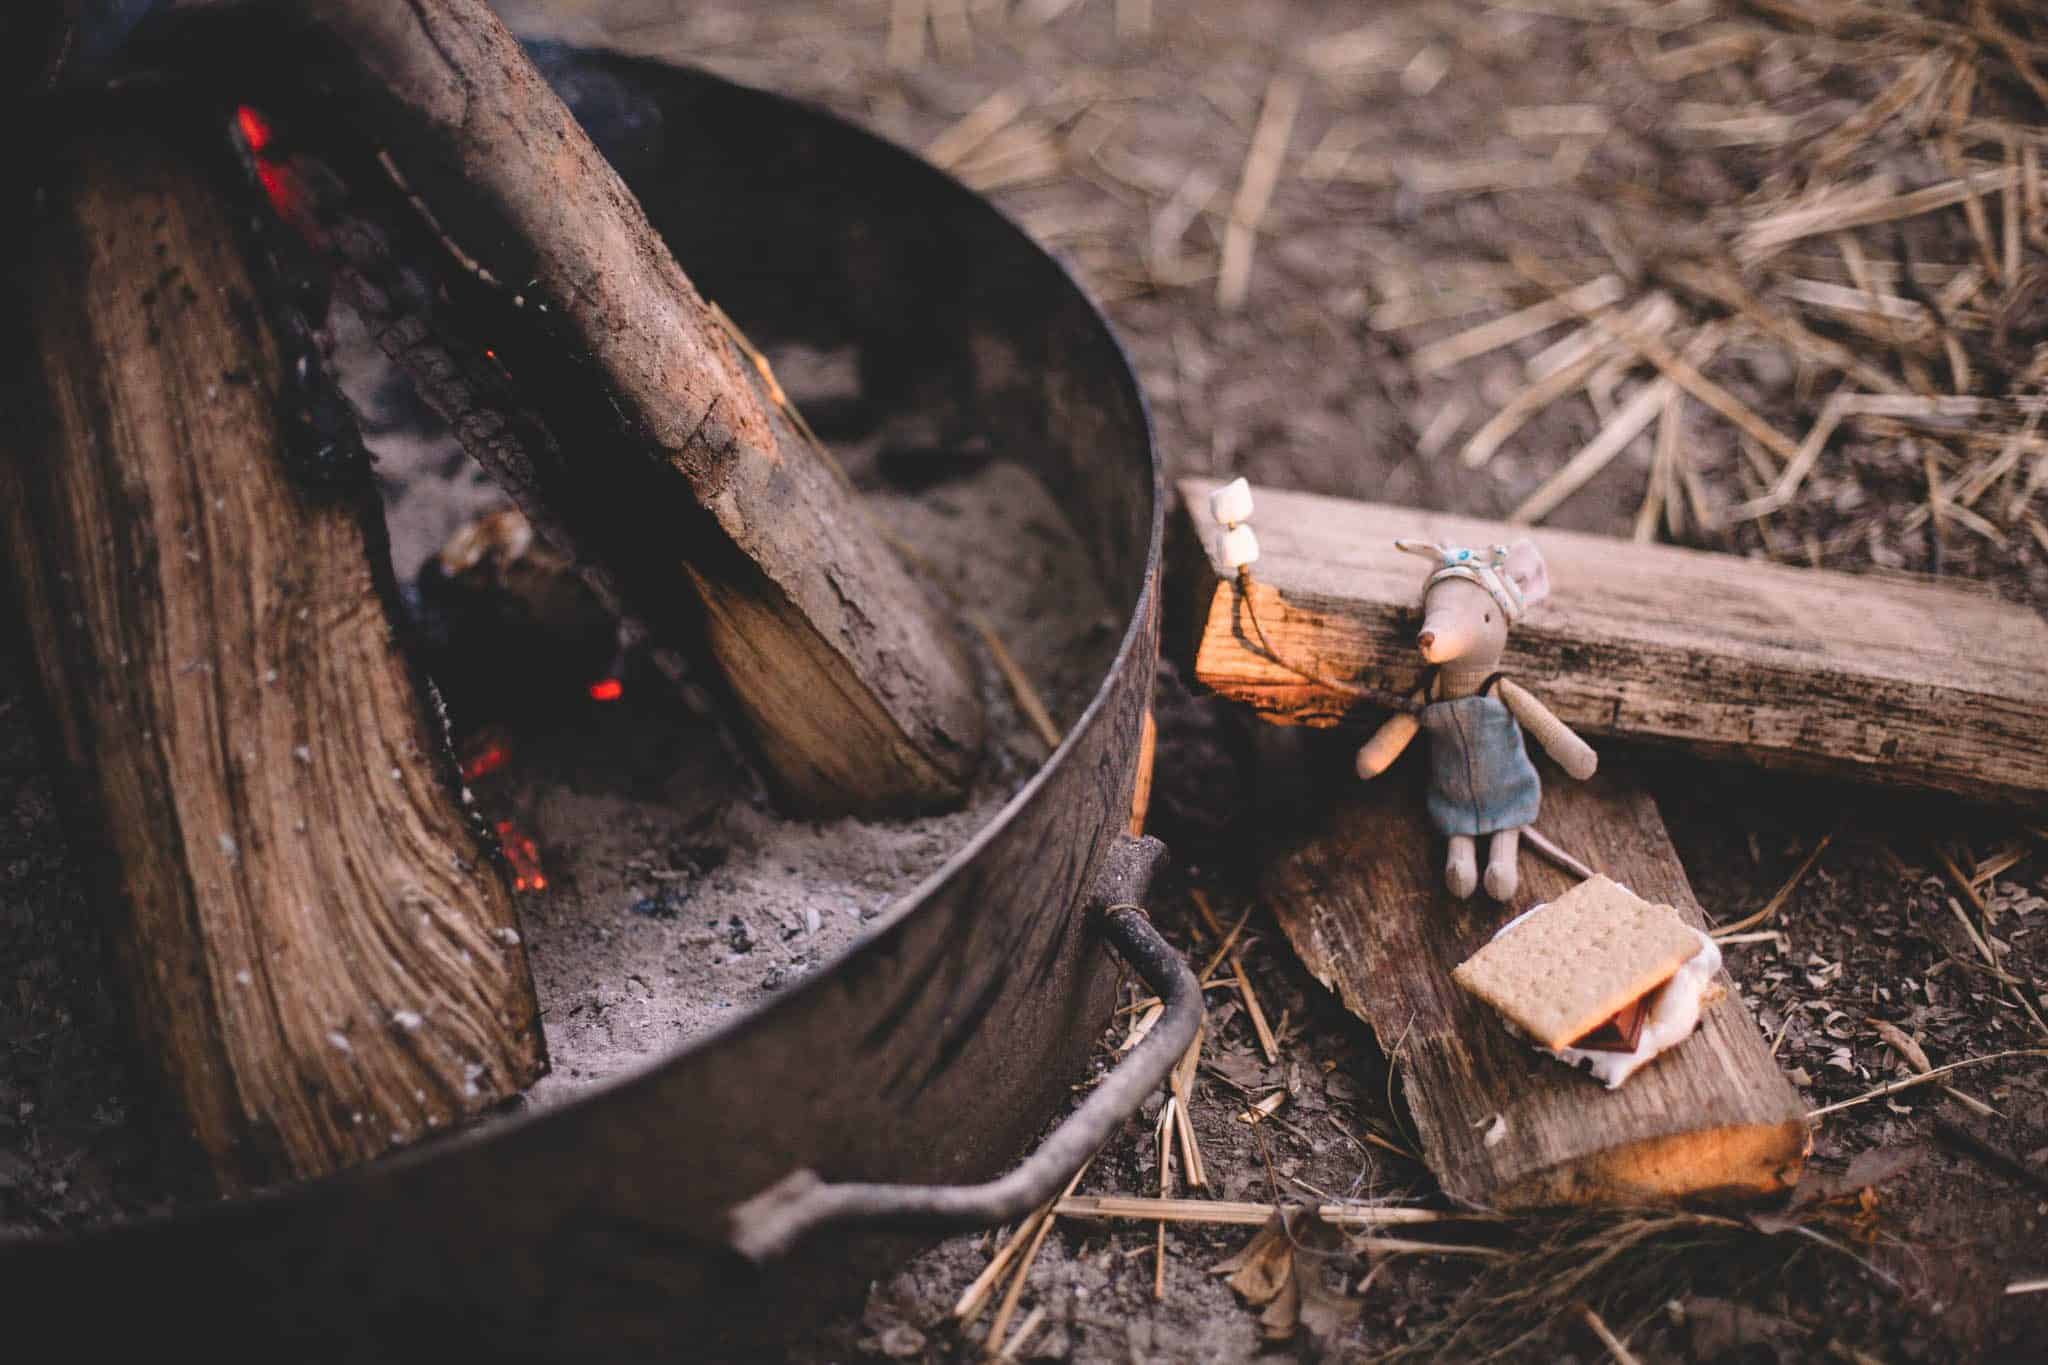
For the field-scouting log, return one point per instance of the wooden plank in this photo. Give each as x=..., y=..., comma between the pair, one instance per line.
x=1877, y=679
x=1361, y=897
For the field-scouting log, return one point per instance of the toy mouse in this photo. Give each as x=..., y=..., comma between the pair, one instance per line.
x=1481, y=781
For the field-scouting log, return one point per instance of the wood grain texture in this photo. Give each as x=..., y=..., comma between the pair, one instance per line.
x=1869, y=678
x=320, y=952
x=1361, y=897
x=854, y=686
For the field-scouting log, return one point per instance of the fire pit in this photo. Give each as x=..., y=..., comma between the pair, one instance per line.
x=936, y=1046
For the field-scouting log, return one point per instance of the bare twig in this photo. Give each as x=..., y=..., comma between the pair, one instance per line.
x=1253, y=1011
x=1784, y=893
x=1028, y=700
x=1923, y=1078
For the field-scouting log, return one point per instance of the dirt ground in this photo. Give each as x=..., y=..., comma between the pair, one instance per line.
x=1123, y=148
x=1410, y=177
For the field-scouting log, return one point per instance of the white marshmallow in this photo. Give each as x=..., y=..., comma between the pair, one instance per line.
x=1232, y=504
x=1240, y=547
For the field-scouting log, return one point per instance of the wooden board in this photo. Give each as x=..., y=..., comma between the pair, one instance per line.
x=1877, y=679
x=1361, y=897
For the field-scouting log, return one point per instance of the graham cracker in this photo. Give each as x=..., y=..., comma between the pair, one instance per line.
x=1565, y=969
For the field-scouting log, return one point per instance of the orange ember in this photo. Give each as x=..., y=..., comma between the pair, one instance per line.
x=255, y=128
x=524, y=855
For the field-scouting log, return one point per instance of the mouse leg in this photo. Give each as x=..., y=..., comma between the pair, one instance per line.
x=1501, y=873
x=1461, y=866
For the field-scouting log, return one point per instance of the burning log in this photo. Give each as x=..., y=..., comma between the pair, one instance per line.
x=638, y=437
x=319, y=951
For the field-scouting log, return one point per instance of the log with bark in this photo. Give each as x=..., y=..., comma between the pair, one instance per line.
x=1876, y=679
x=318, y=945
x=586, y=372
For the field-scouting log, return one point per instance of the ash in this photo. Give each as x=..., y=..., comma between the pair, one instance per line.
x=677, y=898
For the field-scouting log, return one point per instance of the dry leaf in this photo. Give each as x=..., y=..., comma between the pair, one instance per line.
x=1902, y=1043
x=1261, y=1270
x=1296, y=1268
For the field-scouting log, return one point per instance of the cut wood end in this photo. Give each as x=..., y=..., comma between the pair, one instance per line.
x=1741, y=1161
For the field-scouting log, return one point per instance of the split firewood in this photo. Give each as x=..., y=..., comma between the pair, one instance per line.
x=1360, y=895
x=319, y=951
x=1878, y=679
x=673, y=469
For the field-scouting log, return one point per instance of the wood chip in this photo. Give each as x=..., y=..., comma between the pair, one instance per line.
x=1724, y=44
x=1263, y=1109
x=1022, y=1336
x=1182, y=1082
x=1661, y=492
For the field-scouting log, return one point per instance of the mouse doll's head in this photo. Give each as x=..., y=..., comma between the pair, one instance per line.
x=1471, y=598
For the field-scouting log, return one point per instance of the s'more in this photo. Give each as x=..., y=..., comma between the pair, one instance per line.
x=1599, y=978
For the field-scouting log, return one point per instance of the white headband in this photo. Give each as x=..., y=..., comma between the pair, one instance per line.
x=1490, y=573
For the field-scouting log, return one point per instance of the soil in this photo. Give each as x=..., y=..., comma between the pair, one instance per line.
x=1308, y=385
x=1305, y=386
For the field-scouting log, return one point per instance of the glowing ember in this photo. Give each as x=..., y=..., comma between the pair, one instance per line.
x=255, y=128
x=610, y=689
x=486, y=754
x=524, y=855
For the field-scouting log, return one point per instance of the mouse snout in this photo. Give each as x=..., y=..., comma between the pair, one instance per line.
x=1446, y=636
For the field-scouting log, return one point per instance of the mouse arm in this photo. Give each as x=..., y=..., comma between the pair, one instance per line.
x=1559, y=740
x=1386, y=744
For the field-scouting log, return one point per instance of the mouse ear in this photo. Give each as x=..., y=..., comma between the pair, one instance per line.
x=1428, y=549
x=1526, y=567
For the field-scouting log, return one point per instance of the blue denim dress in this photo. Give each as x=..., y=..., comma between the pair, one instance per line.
x=1480, y=777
